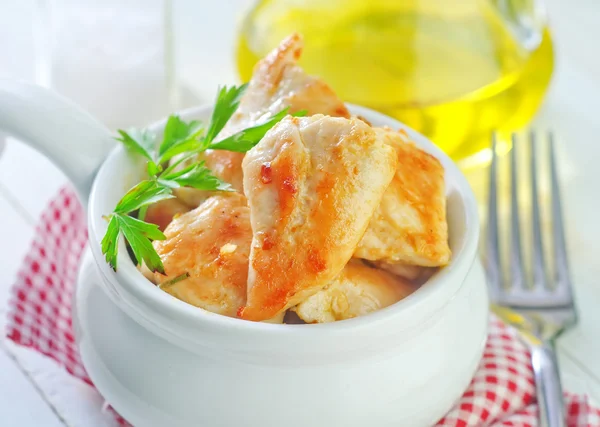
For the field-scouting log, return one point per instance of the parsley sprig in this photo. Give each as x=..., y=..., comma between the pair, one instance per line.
x=186, y=140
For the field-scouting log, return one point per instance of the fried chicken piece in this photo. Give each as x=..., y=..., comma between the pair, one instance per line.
x=161, y=213
x=409, y=226
x=312, y=184
x=211, y=243
x=356, y=291
x=278, y=82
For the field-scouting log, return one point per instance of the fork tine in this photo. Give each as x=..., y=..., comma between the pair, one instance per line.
x=562, y=279
x=539, y=278
x=493, y=268
x=516, y=258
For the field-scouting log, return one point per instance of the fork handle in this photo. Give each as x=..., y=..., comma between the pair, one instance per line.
x=548, y=388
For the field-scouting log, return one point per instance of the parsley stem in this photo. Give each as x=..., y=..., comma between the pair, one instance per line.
x=170, y=169
x=174, y=280
x=142, y=212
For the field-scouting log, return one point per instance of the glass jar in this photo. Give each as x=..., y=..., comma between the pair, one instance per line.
x=454, y=70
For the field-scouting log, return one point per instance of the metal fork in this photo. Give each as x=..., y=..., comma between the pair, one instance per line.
x=540, y=308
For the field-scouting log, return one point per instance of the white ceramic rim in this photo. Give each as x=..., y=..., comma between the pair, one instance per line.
x=139, y=287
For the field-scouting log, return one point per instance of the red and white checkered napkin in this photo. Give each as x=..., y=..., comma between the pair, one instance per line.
x=501, y=394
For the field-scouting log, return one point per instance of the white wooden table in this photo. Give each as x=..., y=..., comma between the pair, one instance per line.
x=34, y=392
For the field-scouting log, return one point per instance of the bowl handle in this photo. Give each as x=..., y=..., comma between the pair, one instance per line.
x=74, y=140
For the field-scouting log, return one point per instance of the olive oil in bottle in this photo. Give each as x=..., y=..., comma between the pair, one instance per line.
x=454, y=70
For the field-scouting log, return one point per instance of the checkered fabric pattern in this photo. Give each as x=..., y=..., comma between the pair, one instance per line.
x=502, y=392
x=40, y=305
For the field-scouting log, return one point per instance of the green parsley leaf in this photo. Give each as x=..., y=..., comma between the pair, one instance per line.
x=142, y=212
x=179, y=137
x=139, y=142
x=153, y=169
x=248, y=138
x=144, y=193
x=227, y=102
x=110, y=242
x=170, y=175
x=140, y=234
x=189, y=145
x=197, y=176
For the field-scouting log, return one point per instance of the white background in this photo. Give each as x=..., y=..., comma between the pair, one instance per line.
x=34, y=392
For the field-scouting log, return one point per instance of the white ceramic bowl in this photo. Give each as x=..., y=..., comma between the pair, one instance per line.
x=162, y=362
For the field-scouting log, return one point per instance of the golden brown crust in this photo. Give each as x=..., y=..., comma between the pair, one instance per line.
x=312, y=184
x=268, y=72
x=211, y=244
x=278, y=82
x=279, y=78
x=410, y=225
